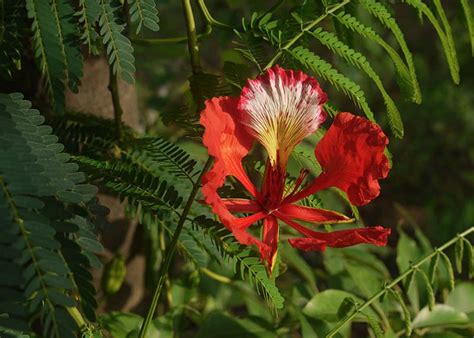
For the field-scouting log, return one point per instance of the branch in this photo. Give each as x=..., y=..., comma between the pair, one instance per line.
x=192, y=36
x=397, y=280
x=118, y=112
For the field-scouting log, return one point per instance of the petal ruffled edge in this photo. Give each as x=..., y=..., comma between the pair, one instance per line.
x=280, y=108
x=351, y=154
x=227, y=140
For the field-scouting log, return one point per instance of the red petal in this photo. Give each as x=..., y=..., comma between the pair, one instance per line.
x=319, y=240
x=339, y=239
x=241, y=205
x=352, y=158
x=270, y=238
x=313, y=215
x=226, y=140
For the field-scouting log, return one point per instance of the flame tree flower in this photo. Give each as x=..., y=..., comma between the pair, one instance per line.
x=279, y=109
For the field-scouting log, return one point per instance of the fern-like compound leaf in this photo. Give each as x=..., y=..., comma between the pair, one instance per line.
x=140, y=187
x=469, y=21
x=69, y=41
x=319, y=66
x=118, y=46
x=144, y=12
x=39, y=192
x=332, y=42
x=381, y=12
x=250, y=267
x=403, y=74
x=160, y=154
x=48, y=51
x=244, y=263
x=88, y=14
x=444, y=36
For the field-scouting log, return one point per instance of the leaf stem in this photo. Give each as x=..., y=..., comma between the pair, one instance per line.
x=171, y=41
x=412, y=269
x=304, y=30
x=171, y=249
x=118, y=112
x=210, y=20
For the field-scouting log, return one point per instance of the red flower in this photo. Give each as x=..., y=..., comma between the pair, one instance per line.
x=279, y=109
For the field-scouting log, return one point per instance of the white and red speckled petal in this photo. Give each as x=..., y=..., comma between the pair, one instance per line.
x=280, y=108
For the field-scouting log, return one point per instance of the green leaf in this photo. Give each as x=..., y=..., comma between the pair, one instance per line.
x=355, y=58
x=469, y=21
x=47, y=50
x=429, y=288
x=118, y=46
x=375, y=326
x=405, y=311
x=444, y=37
x=470, y=257
x=144, y=12
x=157, y=154
x=236, y=74
x=383, y=14
x=251, y=268
x=325, y=305
x=366, y=280
x=458, y=254
x=218, y=324
x=120, y=325
x=69, y=41
x=317, y=65
x=34, y=173
x=449, y=268
x=441, y=316
x=461, y=297
x=88, y=14
x=433, y=267
x=347, y=308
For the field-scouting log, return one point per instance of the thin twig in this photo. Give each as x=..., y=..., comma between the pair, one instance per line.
x=397, y=280
x=170, y=251
x=304, y=30
x=172, y=41
x=210, y=20
x=118, y=112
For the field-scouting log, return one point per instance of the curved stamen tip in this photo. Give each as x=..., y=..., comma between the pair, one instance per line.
x=281, y=108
